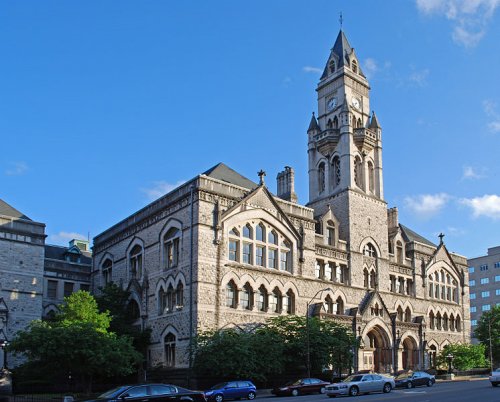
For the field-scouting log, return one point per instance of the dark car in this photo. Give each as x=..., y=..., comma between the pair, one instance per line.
x=151, y=393
x=231, y=390
x=414, y=379
x=301, y=387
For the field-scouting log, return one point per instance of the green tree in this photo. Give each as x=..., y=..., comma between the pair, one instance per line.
x=489, y=323
x=465, y=356
x=77, y=342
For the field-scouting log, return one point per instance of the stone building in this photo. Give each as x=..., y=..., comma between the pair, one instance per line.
x=66, y=270
x=484, y=283
x=22, y=243
x=221, y=250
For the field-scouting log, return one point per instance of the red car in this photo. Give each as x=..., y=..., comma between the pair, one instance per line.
x=302, y=387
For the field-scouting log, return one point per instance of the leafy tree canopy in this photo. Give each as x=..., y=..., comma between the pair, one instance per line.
x=489, y=323
x=465, y=356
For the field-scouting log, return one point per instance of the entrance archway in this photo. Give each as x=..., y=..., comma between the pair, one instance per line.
x=377, y=353
x=410, y=355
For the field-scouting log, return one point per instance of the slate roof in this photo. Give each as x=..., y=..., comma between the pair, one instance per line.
x=59, y=253
x=410, y=236
x=225, y=173
x=8, y=210
x=342, y=49
x=313, y=125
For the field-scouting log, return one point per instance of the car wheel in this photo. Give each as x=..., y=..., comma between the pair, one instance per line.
x=387, y=388
x=295, y=392
x=494, y=384
x=354, y=391
x=409, y=385
x=251, y=396
x=430, y=383
x=322, y=390
x=219, y=398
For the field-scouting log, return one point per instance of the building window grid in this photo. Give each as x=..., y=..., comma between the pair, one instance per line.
x=497, y=264
x=443, y=286
x=485, y=294
x=276, y=253
x=485, y=281
x=483, y=267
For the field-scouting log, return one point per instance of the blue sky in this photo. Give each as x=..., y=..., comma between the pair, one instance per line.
x=105, y=105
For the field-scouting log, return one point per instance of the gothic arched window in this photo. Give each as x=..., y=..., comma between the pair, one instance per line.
x=107, y=271
x=330, y=233
x=135, y=262
x=231, y=295
x=171, y=242
x=339, y=306
x=358, y=173
x=262, y=299
x=169, y=343
x=179, y=295
x=321, y=177
x=288, y=302
x=331, y=65
x=371, y=177
x=354, y=66
x=369, y=250
x=246, y=298
x=335, y=122
x=336, y=171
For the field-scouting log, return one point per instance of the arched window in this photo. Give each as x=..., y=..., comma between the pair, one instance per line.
x=458, y=324
x=373, y=280
x=247, y=231
x=285, y=256
x=246, y=298
x=179, y=295
x=162, y=301
x=339, y=306
x=262, y=301
x=439, y=322
x=432, y=320
x=452, y=323
x=407, y=314
x=107, y=271
x=358, y=172
x=234, y=245
x=371, y=177
x=354, y=66
x=335, y=122
x=399, y=252
x=231, y=295
x=133, y=310
x=399, y=314
x=329, y=124
x=336, y=171
x=273, y=237
x=260, y=232
x=171, y=242
x=330, y=233
x=445, y=322
x=369, y=250
x=321, y=177
x=366, y=277
x=289, y=302
x=331, y=65
x=275, y=304
x=329, y=305
x=170, y=298
x=358, y=123
x=135, y=262
x=169, y=342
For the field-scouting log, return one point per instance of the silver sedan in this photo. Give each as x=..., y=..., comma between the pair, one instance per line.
x=361, y=384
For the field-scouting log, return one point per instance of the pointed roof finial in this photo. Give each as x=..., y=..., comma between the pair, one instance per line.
x=261, y=174
x=441, y=235
x=341, y=20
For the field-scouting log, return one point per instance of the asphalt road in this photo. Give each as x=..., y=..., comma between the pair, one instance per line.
x=458, y=391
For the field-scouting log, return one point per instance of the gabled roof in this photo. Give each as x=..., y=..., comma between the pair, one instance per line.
x=313, y=125
x=8, y=210
x=374, y=122
x=410, y=236
x=342, y=50
x=225, y=173
x=59, y=253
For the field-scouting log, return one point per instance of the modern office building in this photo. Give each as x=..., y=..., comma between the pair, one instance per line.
x=484, y=284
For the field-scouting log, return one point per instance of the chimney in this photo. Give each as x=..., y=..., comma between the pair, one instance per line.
x=286, y=185
x=392, y=218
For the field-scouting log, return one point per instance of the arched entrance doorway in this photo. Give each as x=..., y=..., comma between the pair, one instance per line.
x=410, y=355
x=432, y=356
x=377, y=352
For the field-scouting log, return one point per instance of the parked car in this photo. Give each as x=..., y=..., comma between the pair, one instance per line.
x=231, y=390
x=495, y=377
x=415, y=379
x=301, y=387
x=151, y=393
x=361, y=384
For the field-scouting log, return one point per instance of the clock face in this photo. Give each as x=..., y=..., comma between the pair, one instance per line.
x=355, y=102
x=332, y=102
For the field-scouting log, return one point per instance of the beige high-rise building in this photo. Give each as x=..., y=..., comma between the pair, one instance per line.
x=221, y=250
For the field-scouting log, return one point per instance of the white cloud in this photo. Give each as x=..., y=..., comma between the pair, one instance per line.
x=17, y=169
x=419, y=77
x=470, y=18
x=453, y=231
x=490, y=108
x=370, y=67
x=427, y=205
x=160, y=188
x=62, y=238
x=309, y=69
x=472, y=173
x=487, y=205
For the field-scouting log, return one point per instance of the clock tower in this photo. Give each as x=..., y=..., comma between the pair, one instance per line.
x=345, y=151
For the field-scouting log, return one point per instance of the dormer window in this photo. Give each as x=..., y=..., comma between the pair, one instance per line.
x=331, y=66
x=354, y=65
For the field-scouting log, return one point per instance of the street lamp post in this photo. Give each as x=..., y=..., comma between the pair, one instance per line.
x=3, y=345
x=307, y=330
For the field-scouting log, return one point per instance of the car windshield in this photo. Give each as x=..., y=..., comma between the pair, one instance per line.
x=353, y=378
x=112, y=393
x=219, y=386
x=402, y=376
x=298, y=382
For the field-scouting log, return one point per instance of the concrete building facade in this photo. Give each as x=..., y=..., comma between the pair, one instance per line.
x=484, y=283
x=221, y=250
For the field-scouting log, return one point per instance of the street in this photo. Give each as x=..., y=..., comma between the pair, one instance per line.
x=459, y=391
